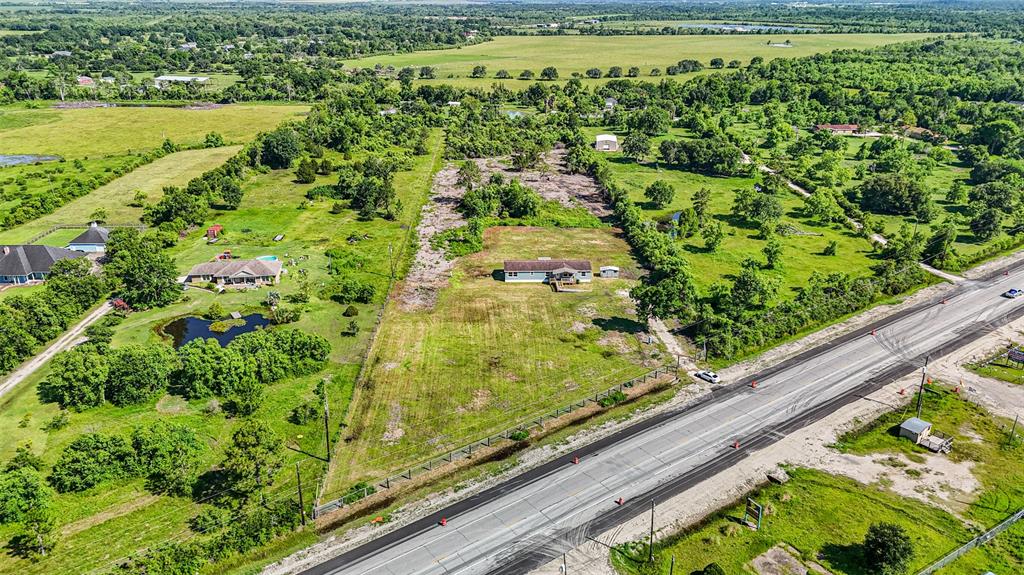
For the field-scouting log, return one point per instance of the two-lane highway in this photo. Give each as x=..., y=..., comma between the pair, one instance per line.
x=535, y=517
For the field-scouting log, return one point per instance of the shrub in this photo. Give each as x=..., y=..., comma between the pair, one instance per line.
x=519, y=435
x=350, y=311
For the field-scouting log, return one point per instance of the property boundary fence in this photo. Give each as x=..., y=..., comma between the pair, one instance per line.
x=977, y=541
x=466, y=451
x=42, y=235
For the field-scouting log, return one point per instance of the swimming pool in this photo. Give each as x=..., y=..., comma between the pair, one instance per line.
x=268, y=258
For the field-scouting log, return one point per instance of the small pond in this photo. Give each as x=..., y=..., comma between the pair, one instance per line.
x=19, y=159
x=185, y=329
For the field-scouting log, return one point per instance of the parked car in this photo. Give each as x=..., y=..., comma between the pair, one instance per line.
x=1013, y=293
x=708, y=376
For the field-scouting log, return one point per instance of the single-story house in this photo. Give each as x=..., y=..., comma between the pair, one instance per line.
x=236, y=272
x=610, y=103
x=609, y=271
x=91, y=240
x=606, y=143
x=162, y=82
x=923, y=134
x=22, y=264
x=838, y=129
x=188, y=46
x=85, y=81
x=546, y=270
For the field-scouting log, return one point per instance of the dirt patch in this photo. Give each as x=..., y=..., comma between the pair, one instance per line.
x=615, y=340
x=552, y=181
x=393, y=431
x=172, y=404
x=481, y=399
x=202, y=106
x=99, y=518
x=778, y=561
x=82, y=105
x=431, y=270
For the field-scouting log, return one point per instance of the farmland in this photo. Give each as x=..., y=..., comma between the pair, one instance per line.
x=491, y=354
x=576, y=54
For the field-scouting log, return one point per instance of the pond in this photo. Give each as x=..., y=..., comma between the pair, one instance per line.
x=185, y=329
x=748, y=27
x=19, y=159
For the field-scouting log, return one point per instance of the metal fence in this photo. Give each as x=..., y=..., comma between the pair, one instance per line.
x=42, y=235
x=466, y=451
x=977, y=541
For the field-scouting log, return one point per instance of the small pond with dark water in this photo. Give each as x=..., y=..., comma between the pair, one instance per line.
x=19, y=159
x=185, y=329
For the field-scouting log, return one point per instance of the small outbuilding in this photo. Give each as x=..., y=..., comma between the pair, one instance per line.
x=92, y=240
x=606, y=143
x=214, y=231
x=915, y=429
x=609, y=271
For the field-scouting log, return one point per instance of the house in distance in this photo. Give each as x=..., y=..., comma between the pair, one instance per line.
x=547, y=270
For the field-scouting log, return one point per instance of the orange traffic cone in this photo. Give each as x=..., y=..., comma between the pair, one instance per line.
x=736, y=444
x=575, y=460
x=620, y=501
x=444, y=521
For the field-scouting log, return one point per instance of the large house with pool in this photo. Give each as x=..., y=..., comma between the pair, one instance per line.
x=28, y=263
x=240, y=273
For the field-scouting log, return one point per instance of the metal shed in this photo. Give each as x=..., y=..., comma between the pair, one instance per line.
x=915, y=429
x=609, y=271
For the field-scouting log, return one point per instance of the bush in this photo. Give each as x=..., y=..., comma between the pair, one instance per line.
x=612, y=398
x=350, y=311
x=519, y=435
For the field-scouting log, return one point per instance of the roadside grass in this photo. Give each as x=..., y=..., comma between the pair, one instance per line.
x=491, y=354
x=172, y=170
x=101, y=524
x=96, y=132
x=802, y=254
x=825, y=517
x=575, y=54
x=999, y=367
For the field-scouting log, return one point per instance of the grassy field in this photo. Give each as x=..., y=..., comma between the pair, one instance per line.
x=171, y=170
x=273, y=204
x=802, y=253
x=92, y=132
x=490, y=354
x=824, y=517
x=578, y=53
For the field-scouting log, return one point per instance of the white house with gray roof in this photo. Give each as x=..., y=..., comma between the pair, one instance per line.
x=24, y=264
x=547, y=270
x=92, y=240
x=236, y=272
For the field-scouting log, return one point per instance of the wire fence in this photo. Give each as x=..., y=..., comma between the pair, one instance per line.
x=509, y=434
x=976, y=542
x=42, y=235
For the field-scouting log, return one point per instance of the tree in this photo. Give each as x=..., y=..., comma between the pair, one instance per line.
x=615, y=72
x=637, y=145
x=823, y=207
x=137, y=373
x=666, y=292
x=893, y=193
x=526, y=75
x=280, y=148
x=469, y=174
x=479, y=71
x=143, y=274
x=73, y=279
x=701, y=201
x=306, y=174
x=89, y=460
x=254, y=457
x=170, y=456
x=717, y=63
x=77, y=379
x=549, y=73
x=887, y=549
x=987, y=224
x=660, y=193
x=713, y=569
x=939, y=249
x=525, y=156
x=773, y=253
x=713, y=234
x=427, y=73
x=633, y=72
x=957, y=193
x=651, y=121
x=502, y=75
x=594, y=73
x=213, y=140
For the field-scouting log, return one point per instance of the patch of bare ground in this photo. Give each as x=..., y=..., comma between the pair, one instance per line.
x=172, y=404
x=778, y=561
x=552, y=181
x=393, y=431
x=82, y=105
x=112, y=513
x=431, y=270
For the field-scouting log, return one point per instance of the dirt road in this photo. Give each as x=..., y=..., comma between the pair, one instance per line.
x=72, y=337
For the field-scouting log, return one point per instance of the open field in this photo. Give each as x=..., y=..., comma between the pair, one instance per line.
x=490, y=354
x=172, y=170
x=79, y=133
x=575, y=54
x=271, y=206
x=824, y=517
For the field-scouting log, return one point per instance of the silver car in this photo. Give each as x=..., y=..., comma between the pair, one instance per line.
x=708, y=376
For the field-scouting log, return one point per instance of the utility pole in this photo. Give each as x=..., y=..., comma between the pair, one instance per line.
x=920, y=393
x=302, y=507
x=1013, y=430
x=672, y=566
x=565, y=568
x=327, y=429
x=650, y=545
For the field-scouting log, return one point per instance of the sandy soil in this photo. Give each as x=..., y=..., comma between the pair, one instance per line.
x=554, y=183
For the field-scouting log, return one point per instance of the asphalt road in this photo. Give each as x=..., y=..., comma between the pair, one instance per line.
x=534, y=517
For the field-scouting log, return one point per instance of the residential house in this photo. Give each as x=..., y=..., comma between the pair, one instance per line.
x=838, y=129
x=547, y=270
x=610, y=103
x=23, y=264
x=85, y=81
x=923, y=134
x=92, y=240
x=236, y=272
x=187, y=46
x=606, y=143
x=164, y=81
x=60, y=54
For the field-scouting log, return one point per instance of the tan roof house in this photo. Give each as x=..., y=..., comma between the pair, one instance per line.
x=237, y=272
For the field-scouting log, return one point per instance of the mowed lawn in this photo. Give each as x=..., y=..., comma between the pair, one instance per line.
x=802, y=253
x=575, y=53
x=80, y=133
x=491, y=354
x=172, y=170
x=93, y=523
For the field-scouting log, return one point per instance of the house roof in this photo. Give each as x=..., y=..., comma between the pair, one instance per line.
x=172, y=78
x=607, y=138
x=94, y=235
x=616, y=268
x=31, y=259
x=546, y=265
x=237, y=268
x=915, y=425
x=838, y=126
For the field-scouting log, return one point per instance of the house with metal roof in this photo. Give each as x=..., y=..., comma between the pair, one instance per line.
x=236, y=273
x=606, y=143
x=92, y=240
x=547, y=270
x=24, y=264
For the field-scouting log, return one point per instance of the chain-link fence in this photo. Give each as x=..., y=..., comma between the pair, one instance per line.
x=977, y=541
x=519, y=431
